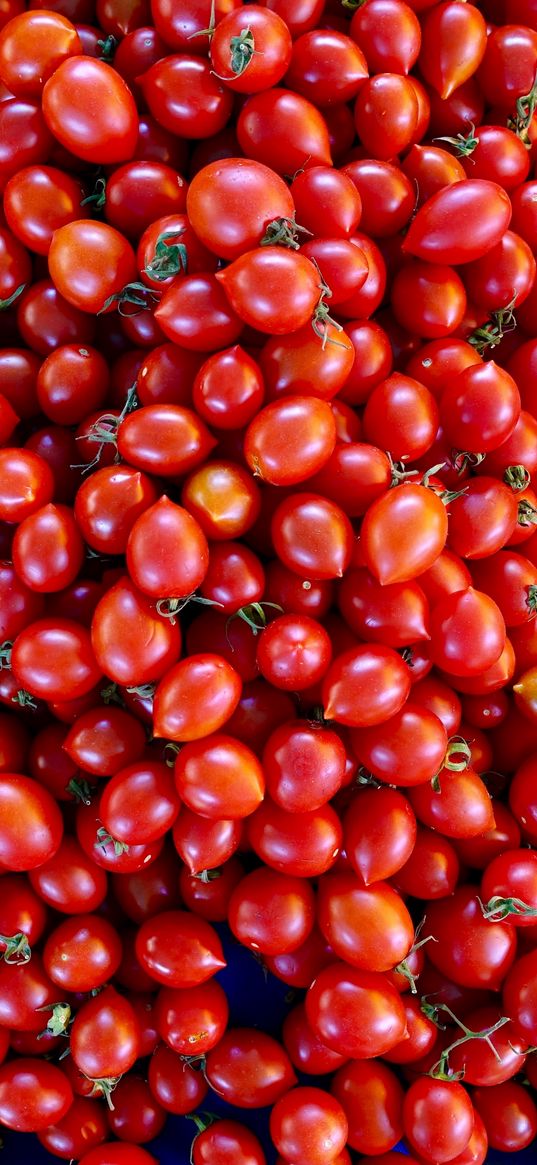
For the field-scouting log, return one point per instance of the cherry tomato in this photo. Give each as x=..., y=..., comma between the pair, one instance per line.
x=91, y=111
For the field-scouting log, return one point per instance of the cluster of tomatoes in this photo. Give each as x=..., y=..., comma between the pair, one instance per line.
x=268, y=663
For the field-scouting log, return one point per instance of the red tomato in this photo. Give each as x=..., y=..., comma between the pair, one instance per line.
x=403, y=533
x=251, y=50
x=459, y=223
x=356, y=1013
x=438, y=1118
x=307, y=1123
x=249, y=1069
x=272, y=913
x=91, y=111
x=284, y=131
x=32, y=46
x=33, y=1094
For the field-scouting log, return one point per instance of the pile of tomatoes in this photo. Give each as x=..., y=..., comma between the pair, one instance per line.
x=268, y=577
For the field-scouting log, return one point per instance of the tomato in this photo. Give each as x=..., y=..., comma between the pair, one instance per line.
x=293, y=652
x=385, y=137
x=226, y=1142
x=326, y=67
x=108, y=503
x=91, y=111
x=250, y=51
x=273, y=290
x=186, y=97
x=461, y=807
x=312, y=536
x=82, y=953
x=176, y=1086
x=403, y=533
x=32, y=46
x=367, y=926
x=37, y=201
x=459, y=223
x=83, y=1127
x=45, y=319
x=504, y=275
x=196, y=314
x=48, y=550
x=124, y=619
x=432, y=870
x=249, y=1069
x=113, y=1153
x=306, y=853
x=464, y=615
x=507, y=72
x=365, y=686
x=510, y=580
x=271, y=912
x=307, y=1051
x=136, y=1115
x=509, y=1114
x=181, y=27
x=304, y=765
x=69, y=881
x=224, y=500
x=428, y=299
x=33, y=1094
x=406, y=750
x=402, y=414
x=472, y=950
x=203, y=769
x=105, y=1036
x=165, y=525
x=354, y=1012
x=284, y=131
x=379, y=833
x=193, y=1020
x=386, y=194
x=453, y=46
x=139, y=804
x=389, y=35
x=307, y=1123
x=228, y=390
x=178, y=949
x=372, y=1098
x=89, y=262
x=438, y=1118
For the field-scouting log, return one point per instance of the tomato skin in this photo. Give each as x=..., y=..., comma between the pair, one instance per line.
x=438, y=1118
x=386, y=193
x=249, y=1069
x=228, y=390
x=33, y=1094
x=372, y=1097
x=91, y=111
x=461, y=617
x=297, y=748
x=365, y=686
x=459, y=223
x=383, y=138
x=291, y=439
x=272, y=289
x=193, y=1020
x=304, y=853
x=379, y=833
x=306, y=1050
x=114, y=1153
x=406, y=750
x=428, y=299
x=179, y=24
x=284, y=131
x=69, y=881
x=231, y=202
x=48, y=550
x=195, y=698
x=37, y=201
x=508, y=65
x=403, y=532
x=32, y=827
x=403, y=414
